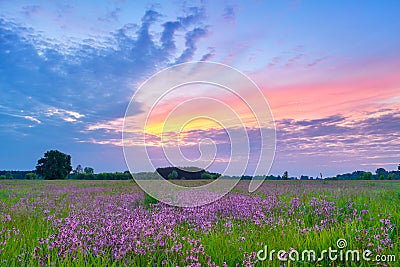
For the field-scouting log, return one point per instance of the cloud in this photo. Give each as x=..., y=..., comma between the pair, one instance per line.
x=66, y=115
x=191, y=38
x=293, y=60
x=274, y=61
x=16, y=115
x=111, y=15
x=317, y=61
x=388, y=123
x=96, y=80
x=209, y=55
x=86, y=83
x=30, y=10
x=229, y=14
x=32, y=119
x=350, y=141
x=195, y=15
x=167, y=37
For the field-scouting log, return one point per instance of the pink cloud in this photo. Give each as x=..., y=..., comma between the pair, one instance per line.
x=344, y=91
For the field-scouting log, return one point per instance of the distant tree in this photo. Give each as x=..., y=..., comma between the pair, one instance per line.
x=31, y=176
x=381, y=173
x=367, y=176
x=216, y=175
x=206, y=176
x=173, y=175
x=398, y=168
x=54, y=165
x=396, y=175
x=3, y=177
x=145, y=175
x=285, y=176
x=78, y=169
x=89, y=170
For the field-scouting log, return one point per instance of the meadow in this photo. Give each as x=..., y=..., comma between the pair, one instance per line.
x=113, y=223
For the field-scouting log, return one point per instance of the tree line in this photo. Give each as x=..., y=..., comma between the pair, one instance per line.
x=57, y=165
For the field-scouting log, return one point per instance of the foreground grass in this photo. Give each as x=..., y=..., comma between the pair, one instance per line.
x=28, y=208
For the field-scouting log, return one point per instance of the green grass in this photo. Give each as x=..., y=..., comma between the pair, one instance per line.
x=220, y=243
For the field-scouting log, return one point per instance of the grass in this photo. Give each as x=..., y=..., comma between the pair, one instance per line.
x=30, y=203
x=149, y=200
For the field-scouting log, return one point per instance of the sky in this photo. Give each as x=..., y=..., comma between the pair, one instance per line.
x=328, y=69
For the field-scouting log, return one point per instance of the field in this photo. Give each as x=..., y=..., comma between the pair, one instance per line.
x=113, y=223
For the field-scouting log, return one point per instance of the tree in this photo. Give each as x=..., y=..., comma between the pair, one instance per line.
x=31, y=176
x=398, y=168
x=54, y=165
x=285, y=176
x=304, y=177
x=367, y=176
x=206, y=175
x=78, y=169
x=173, y=175
x=381, y=173
x=216, y=175
x=89, y=170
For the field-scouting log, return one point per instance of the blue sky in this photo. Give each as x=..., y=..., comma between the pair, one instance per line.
x=329, y=70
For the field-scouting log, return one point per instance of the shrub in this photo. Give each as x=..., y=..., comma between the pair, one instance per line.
x=206, y=176
x=149, y=200
x=173, y=175
x=31, y=176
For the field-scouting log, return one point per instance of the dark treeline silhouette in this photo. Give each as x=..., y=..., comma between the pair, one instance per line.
x=188, y=173
x=57, y=165
x=14, y=174
x=31, y=175
x=193, y=173
x=380, y=174
x=100, y=176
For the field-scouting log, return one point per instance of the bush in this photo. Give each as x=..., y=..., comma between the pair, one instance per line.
x=149, y=200
x=31, y=176
x=367, y=176
x=89, y=170
x=173, y=175
x=3, y=177
x=206, y=176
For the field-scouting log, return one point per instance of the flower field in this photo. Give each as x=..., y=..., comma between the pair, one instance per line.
x=113, y=223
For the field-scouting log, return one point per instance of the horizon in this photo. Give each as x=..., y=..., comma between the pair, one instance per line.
x=316, y=177
x=329, y=72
